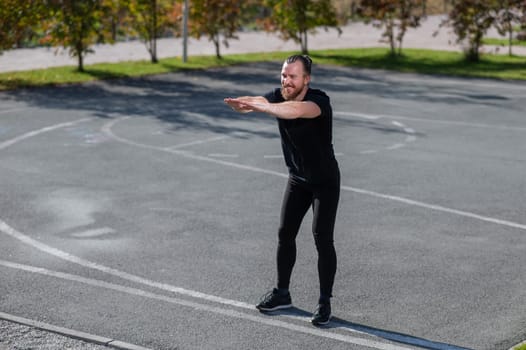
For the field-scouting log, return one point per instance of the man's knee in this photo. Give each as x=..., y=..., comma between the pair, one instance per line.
x=323, y=240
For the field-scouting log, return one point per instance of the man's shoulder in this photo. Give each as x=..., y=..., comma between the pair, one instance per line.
x=317, y=93
x=318, y=96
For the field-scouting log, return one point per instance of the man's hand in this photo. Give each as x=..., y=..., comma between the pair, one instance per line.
x=247, y=104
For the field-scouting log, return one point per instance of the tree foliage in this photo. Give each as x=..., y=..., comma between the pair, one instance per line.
x=219, y=20
x=151, y=19
x=75, y=25
x=510, y=14
x=17, y=18
x=470, y=20
x=295, y=19
x=395, y=16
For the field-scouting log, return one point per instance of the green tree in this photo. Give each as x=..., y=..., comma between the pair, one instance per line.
x=395, y=16
x=17, y=18
x=75, y=25
x=117, y=21
x=295, y=19
x=509, y=15
x=151, y=19
x=219, y=20
x=470, y=20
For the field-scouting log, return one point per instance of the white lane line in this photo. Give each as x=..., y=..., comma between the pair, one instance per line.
x=395, y=146
x=411, y=137
x=217, y=138
x=5, y=144
x=198, y=142
x=207, y=308
x=5, y=228
x=223, y=155
x=359, y=115
x=13, y=110
x=96, y=232
x=107, y=129
x=436, y=121
x=437, y=208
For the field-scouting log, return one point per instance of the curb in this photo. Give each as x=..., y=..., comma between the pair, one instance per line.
x=71, y=333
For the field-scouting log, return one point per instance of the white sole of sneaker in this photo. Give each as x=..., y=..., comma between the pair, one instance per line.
x=321, y=323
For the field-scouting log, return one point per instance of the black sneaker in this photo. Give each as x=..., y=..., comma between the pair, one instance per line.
x=322, y=315
x=273, y=301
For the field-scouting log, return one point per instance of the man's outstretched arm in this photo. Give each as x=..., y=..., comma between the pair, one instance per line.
x=283, y=110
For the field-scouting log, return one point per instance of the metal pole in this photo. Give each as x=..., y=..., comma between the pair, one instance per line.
x=185, y=31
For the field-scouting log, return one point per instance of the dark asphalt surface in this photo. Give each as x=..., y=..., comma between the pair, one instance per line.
x=145, y=210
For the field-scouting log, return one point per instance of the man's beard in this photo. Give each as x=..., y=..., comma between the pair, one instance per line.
x=292, y=95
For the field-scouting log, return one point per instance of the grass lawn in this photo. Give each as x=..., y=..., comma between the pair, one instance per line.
x=503, y=42
x=412, y=60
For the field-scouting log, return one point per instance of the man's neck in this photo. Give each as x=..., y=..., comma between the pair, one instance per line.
x=301, y=96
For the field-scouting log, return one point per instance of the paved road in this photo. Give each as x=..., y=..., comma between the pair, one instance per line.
x=144, y=210
x=353, y=35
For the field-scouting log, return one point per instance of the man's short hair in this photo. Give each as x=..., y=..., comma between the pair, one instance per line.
x=305, y=60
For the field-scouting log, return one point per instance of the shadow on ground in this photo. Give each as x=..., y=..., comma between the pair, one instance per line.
x=338, y=323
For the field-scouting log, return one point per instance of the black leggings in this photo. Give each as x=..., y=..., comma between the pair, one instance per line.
x=298, y=197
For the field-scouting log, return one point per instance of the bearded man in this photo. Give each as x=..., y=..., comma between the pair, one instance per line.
x=304, y=118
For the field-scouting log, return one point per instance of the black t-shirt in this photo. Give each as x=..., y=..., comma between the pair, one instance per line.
x=307, y=142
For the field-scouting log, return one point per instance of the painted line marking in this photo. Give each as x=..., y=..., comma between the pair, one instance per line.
x=96, y=232
x=66, y=256
x=223, y=155
x=91, y=338
x=437, y=121
x=108, y=126
x=410, y=138
x=198, y=295
x=207, y=308
x=198, y=142
x=5, y=228
x=13, y=110
x=359, y=115
x=273, y=156
x=217, y=138
x=437, y=208
x=8, y=143
x=395, y=146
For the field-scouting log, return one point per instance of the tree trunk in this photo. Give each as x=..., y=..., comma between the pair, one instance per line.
x=154, y=51
x=217, y=44
x=390, y=35
x=80, y=62
x=304, y=43
x=153, y=39
x=473, y=52
x=79, y=52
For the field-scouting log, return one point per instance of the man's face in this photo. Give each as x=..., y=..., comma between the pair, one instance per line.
x=293, y=80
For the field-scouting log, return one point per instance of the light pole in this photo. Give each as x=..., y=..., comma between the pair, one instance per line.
x=185, y=31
